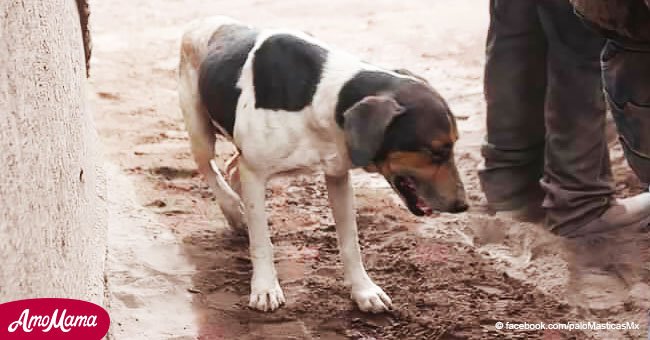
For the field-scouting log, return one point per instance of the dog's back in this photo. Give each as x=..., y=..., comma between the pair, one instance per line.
x=200, y=33
x=213, y=50
x=236, y=78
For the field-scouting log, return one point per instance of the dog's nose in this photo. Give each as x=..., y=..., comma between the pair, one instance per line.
x=459, y=207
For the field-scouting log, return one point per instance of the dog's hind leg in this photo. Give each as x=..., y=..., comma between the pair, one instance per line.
x=202, y=134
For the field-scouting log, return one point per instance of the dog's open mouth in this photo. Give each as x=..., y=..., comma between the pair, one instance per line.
x=406, y=187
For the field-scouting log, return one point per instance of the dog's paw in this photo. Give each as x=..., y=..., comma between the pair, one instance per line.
x=266, y=297
x=371, y=298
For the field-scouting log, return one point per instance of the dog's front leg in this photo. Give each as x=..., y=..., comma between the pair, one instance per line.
x=368, y=296
x=266, y=294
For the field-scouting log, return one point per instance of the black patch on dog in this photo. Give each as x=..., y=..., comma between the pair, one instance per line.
x=363, y=84
x=220, y=71
x=286, y=72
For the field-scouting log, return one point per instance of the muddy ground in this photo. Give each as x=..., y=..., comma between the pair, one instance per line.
x=450, y=276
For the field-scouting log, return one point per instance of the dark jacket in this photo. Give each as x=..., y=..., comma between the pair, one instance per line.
x=623, y=20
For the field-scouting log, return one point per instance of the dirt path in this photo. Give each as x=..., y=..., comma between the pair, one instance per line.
x=451, y=277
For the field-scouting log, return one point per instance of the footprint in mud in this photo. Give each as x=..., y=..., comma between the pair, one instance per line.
x=129, y=300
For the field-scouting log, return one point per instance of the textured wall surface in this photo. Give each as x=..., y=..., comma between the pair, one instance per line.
x=52, y=211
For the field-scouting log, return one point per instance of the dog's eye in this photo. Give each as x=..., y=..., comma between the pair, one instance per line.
x=439, y=155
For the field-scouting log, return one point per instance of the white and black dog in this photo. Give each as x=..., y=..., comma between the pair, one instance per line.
x=291, y=103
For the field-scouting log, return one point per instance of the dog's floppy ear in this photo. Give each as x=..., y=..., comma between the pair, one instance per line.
x=365, y=124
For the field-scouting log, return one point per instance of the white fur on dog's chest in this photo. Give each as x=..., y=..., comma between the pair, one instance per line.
x=281, y=142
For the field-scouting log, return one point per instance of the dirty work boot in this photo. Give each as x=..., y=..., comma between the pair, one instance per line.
x=621, y=213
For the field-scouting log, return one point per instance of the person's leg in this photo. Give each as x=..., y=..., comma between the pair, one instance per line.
x=577, y=177
x=515, y=86
x=626, y=74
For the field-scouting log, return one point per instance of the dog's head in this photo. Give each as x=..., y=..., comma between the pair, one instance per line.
x=408, y=135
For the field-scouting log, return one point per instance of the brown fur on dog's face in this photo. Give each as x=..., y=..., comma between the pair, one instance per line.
x=417, y=153
x=422, y=184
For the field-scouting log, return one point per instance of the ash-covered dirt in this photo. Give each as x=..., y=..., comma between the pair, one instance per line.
x=449, y=276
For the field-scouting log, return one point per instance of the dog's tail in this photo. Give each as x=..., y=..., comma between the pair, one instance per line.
x=228, y=197
x=224, y=184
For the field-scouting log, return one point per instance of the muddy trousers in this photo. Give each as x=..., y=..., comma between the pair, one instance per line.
x=546, y=143
x=626, y=75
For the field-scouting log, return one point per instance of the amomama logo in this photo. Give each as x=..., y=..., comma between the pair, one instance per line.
x=52, y=319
